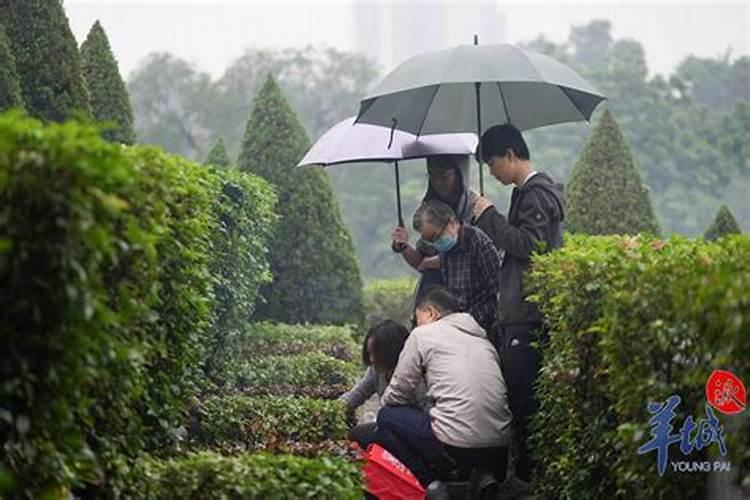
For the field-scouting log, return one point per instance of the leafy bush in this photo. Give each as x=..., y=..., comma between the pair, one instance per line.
x=316, y=276
x=106, y=298
x=264, y=339
x=390, y=299
x=208, y=475
x=311, y=374
x=252, y=421
x=244, y=208
x=605, y=194
x=634, y=320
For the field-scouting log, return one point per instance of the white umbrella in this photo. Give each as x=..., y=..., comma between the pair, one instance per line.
x=347, y=142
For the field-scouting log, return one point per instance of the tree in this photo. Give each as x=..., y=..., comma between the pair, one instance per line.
x=723, y=224
x=606, y=194
x=171, y=101
x=10, y=89
x=324, y=86
x=218, y=155
x=108, y=96
x=315, y=272
x=47, y=59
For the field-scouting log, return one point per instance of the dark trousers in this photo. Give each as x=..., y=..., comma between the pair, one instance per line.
x=520, y=365
x=406, y=433
x=363, y=434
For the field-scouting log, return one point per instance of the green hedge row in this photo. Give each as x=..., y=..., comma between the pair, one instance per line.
x=390, y=299
x=225, y=421
x=263, y=476
x=106, y=302
x=267, y=339
x=633, y=321
x=311, y=374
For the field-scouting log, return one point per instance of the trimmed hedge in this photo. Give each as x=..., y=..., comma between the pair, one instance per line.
x=390, y=299
x=106, y=299
x=266, y=339
x=226, y=421
x=635, y=320
x=312, y=374
x=208, y=475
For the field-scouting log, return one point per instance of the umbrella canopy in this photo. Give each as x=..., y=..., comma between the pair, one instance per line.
x=435, y=92
x=346, y=142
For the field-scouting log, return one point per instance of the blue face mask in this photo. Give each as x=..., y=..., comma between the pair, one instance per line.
x=444, y=243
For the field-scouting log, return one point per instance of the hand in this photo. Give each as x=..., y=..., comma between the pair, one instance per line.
x=429, y=263
x=480, y=205
x=400, y=235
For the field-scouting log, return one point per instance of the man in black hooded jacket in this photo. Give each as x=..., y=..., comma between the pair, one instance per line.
x=533, y=224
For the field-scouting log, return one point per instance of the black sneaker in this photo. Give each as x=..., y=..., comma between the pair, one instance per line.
x=487, y=487
x=437, y=490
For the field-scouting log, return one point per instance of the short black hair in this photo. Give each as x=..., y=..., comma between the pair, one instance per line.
x=500, y=138
x=388, y=339
x=441, y=298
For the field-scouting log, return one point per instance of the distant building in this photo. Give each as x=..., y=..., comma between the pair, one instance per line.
x=391, y=32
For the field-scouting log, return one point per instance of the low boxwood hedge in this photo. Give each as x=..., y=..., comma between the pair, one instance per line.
x=237, y=420
x=207, y=475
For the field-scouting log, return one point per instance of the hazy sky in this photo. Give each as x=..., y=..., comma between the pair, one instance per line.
x=211, y=34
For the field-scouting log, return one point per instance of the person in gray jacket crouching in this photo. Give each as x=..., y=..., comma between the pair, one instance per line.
x=468, y=425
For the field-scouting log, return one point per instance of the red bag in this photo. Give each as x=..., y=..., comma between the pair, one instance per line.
x=389, y=479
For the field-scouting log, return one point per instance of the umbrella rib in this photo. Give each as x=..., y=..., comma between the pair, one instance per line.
x=505, y=106
x=427, y=110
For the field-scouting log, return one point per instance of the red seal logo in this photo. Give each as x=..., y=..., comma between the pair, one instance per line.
x=726, y=392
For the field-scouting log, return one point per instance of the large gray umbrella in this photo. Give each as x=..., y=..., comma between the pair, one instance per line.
x=346, y=142
x=442, y=91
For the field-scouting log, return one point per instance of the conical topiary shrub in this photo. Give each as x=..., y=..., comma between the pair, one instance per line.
x=109, y=98
x=47, y=59
x=605, y=194
x=315, y=271
x=218, y=155
x=723, y=224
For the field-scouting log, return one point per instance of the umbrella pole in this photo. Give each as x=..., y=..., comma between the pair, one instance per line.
x=477, y=85
x=479, y=136
x=398, y=195
x=398, y=247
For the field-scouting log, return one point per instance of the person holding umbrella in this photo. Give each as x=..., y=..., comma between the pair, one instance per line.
x=448, y=182
x=534, y=224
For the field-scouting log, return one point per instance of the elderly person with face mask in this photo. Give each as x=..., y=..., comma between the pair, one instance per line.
x=468, y=262
x=468, y=426
x=448, y=181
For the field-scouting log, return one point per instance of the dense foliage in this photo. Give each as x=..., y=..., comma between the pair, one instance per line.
x=315, y=272
x=723, y=224
x=10, y=88
x=47, y=59
x=106, y=299
x=636, y=320
x=390, y=299
x=109, y=99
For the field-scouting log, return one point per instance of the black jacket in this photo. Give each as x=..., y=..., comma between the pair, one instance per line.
x=534, y=224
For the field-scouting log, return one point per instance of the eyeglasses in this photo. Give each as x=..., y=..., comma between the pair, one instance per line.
x=437, y=236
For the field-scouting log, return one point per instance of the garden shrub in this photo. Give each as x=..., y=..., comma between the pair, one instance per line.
x=207, y=475
x=252, y=421
x=106, y=299
x=264, y=339
x=311, y=374
x=390, y=299
x=635, y=320
x=244, y=211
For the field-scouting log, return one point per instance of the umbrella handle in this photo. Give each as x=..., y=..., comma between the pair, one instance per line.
x=395, y=246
